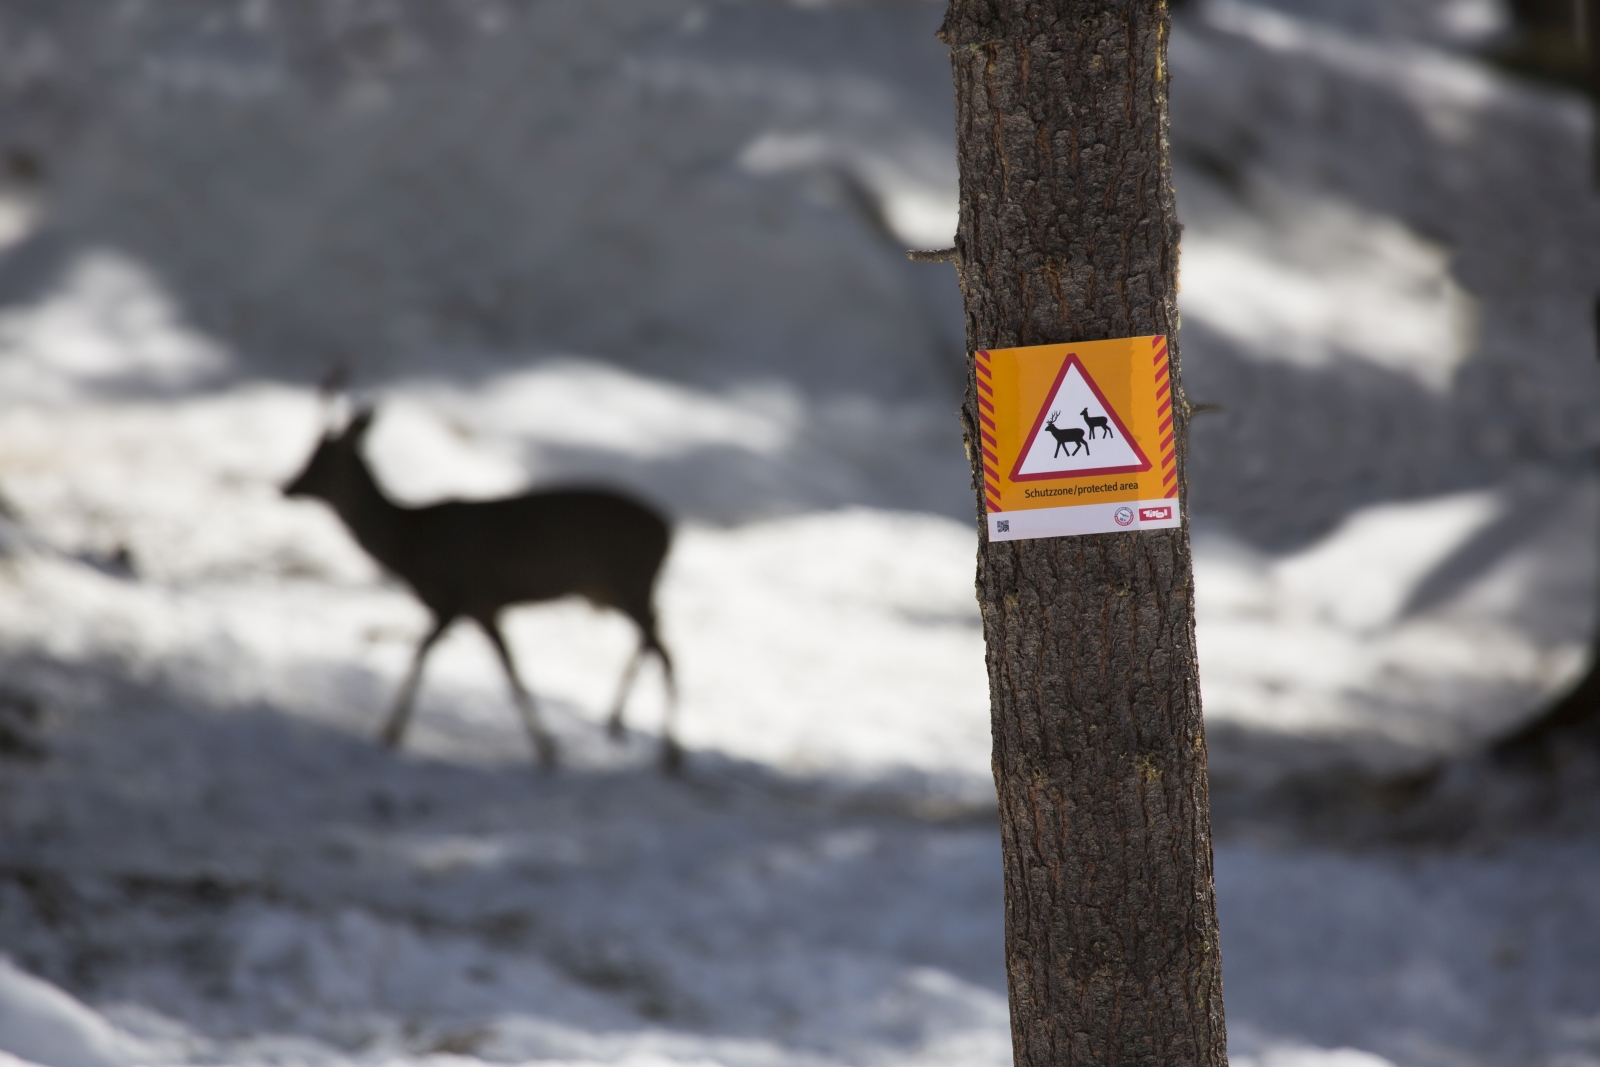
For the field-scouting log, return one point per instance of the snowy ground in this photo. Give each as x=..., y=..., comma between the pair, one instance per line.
x=699, y=294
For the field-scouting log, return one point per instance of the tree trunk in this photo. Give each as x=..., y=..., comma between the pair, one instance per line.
x=1068, y=233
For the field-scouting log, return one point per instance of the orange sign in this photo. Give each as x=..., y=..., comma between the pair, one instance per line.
x=1077, y=439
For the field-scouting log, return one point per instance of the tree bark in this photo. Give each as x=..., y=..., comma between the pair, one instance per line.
x=1068, y=232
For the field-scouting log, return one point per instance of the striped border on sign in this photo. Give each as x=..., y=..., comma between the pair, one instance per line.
x=1168, y=449
x=986, y=430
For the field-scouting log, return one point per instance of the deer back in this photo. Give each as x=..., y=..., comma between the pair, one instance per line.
x=474, y=557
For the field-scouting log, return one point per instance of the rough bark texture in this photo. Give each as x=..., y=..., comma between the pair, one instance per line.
x=1068, y=233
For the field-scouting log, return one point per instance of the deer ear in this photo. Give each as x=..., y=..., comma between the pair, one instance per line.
x=360, y=423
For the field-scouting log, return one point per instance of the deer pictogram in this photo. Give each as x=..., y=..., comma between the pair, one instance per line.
x=473, y=559
x=1095, y=422
x=1064, y=437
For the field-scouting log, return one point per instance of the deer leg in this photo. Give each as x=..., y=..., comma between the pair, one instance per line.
x=543, y=744
x=671, y=751
x=614, y=723
x=395, y=728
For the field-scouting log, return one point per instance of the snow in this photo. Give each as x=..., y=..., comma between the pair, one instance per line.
x=42, y=1024
x=1319, y=281
x=699, y=293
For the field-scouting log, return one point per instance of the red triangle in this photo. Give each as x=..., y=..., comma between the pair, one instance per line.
x=1067, y=364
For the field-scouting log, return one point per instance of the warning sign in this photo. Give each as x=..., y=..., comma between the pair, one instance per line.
x=1095, y=425
x=1077, y=439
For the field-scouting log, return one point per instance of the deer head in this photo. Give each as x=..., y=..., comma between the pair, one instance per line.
x=337, y=456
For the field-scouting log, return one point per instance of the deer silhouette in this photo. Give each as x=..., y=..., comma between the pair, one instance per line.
x=1096, y=422
x=1064, y=437
x=473, y=559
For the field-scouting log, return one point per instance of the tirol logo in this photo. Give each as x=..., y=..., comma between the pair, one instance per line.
x=1123, y=516
x=1151, y=514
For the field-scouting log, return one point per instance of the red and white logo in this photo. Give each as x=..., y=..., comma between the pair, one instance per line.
x=1123, y=516
x=1151, y=514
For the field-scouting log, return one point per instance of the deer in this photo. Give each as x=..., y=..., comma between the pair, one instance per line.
x=1064, y=437
x=474, y=559
x=1096, y=422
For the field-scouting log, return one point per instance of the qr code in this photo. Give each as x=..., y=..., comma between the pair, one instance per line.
x=1002, y=526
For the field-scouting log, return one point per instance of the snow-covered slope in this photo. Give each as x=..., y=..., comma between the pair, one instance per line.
x=660, y=244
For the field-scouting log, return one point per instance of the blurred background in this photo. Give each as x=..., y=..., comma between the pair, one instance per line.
x=659, y=244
